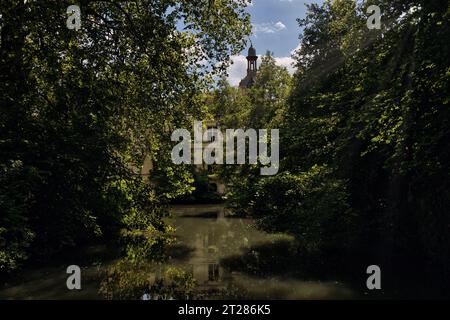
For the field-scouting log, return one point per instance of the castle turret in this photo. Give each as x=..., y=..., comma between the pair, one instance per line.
x=252, y=67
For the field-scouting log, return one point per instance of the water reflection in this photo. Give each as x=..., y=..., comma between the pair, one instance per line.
x=229, y=258
x=213, y=256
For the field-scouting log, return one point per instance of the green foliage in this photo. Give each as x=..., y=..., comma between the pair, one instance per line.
x=378, y=116
x=373, y=105
x=256, y=107
x=260, y=107
x=310, y=205
x=81, y=110
x=15, y=233
x=365, y=159
x=204, y=191
x=126, y=280
x=269, y=93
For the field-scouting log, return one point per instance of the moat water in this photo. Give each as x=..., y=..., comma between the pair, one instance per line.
x=225, y=256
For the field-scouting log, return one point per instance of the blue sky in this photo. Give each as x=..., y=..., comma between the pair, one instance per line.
x=274, y=28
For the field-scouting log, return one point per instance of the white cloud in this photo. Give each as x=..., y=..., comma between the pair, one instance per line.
x=268, y=27
x=237, y=70
x=280, y=26
x=286, y=62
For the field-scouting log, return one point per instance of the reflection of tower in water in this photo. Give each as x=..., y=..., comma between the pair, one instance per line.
x=206, y=269
x=213, y=272
x=210, y=239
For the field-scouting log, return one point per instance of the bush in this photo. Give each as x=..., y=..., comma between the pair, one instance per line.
x=310, y=205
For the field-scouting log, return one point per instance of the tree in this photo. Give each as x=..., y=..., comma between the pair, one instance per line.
x=269, y=94
x=82, y=109
x=367, y=118
x=260, y=107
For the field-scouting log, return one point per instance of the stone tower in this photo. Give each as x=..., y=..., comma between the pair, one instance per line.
x=252, y=68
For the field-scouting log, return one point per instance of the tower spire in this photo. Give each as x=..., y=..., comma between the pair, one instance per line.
x=252, y=67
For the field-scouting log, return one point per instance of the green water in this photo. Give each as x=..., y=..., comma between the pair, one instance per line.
x=226, y=257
